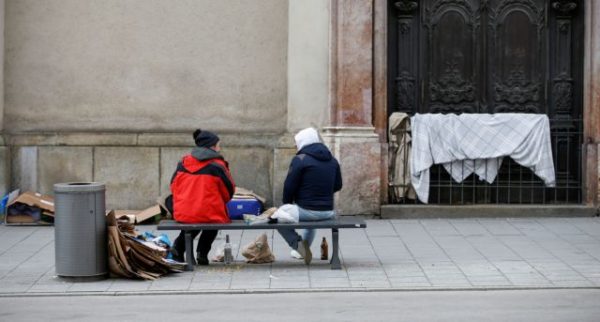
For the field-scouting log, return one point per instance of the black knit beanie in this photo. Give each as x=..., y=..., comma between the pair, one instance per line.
x=205, y=139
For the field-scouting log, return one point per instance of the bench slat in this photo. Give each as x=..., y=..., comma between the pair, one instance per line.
x=343, y=222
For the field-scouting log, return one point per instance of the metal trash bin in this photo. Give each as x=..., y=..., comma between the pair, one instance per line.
x=80, y=236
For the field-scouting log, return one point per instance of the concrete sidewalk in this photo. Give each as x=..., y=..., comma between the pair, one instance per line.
x=434, y=254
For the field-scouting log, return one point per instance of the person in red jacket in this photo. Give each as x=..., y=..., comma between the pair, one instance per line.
x=201, y=187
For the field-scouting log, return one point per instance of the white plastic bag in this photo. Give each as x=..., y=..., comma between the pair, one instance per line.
x=287, y=214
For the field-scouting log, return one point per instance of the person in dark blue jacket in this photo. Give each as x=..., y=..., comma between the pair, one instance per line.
x=313, y=177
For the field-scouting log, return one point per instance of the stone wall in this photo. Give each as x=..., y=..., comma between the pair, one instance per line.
x=136, y=171
x=111, y=91
x=4, y=152
x=145, y=65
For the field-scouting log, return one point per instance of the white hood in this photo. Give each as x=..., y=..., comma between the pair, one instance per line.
x=306, y=137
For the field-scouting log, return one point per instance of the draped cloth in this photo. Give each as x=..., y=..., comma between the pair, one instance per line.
x=476, y=143
x=399, y=156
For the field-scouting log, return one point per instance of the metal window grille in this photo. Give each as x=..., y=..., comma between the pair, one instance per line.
x=515, y=184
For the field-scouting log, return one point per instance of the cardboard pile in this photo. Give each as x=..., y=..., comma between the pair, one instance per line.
x=133, y=258
x=29, y=208
x=137, y=217
x=243, y=193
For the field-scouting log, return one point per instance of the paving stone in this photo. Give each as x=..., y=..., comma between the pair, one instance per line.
x=289, y=284
x=409, y=280
x=404, y=273
x=514, y=267
x=498, y=227
x=469, y=227
x=49, y=288
x=405, y=254
x=126, y=285
x=495, y=280
x=439, y=227
x=449, y=280
x=590, y=226
x=250, y=285
x=208, y=286
x=98, y=286
x=329, y=282
x=11, y=286
x=479, y=269
x=370, y=283
x=170, y=287
x=595, y=281
x=562, y=275
x=327, y=274
x=587, y=268
x=575, y=283
x=559, y=226
x=533, y=278
x=381, y=228
x=411, y=286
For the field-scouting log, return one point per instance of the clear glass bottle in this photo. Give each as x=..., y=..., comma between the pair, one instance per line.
x=228, y=255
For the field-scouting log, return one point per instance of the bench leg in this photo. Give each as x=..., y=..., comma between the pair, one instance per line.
x=335, y=259
x=189, y=251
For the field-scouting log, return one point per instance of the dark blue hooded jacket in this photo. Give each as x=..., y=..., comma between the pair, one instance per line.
x=313, y=177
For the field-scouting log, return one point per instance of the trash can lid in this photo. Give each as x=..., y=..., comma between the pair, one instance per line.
x=79, y=187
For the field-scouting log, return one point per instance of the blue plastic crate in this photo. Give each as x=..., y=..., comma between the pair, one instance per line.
x=239, y=207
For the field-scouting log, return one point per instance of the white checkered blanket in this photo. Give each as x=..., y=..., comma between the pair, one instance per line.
x=476, y=143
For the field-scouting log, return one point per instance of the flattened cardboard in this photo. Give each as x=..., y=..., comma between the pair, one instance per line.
x=136, y=216
x=32, y=199
x=147, y=214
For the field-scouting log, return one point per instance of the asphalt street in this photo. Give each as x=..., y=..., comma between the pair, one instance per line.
x=499, y=305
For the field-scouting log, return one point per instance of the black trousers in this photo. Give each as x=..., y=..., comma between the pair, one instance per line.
x=204, y=242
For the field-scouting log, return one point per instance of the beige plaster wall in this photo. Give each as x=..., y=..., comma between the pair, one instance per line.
x=1, y=73
x=145, y=65
x=4, y=151
x=308, y=64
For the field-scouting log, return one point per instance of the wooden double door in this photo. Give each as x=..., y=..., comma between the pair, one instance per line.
x=494, y=56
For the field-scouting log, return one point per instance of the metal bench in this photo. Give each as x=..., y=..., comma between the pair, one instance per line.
x=333, y=224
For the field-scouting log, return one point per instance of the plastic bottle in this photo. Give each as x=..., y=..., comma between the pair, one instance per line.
x=227, y=256
x=324, y=249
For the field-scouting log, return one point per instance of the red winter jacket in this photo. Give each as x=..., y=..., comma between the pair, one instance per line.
x=201, y=187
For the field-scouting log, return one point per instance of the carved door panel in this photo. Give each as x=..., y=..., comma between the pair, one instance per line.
x=516, y=68
x=493, y=56
x=451, y=51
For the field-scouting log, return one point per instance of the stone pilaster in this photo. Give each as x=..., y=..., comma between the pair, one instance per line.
x=351, y=136
x=591, y=105
x=359, y=152
x=4, y=151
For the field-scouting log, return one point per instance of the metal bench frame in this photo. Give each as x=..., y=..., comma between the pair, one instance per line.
x=333, y=224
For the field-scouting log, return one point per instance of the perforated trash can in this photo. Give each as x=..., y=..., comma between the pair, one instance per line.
x=80, y=236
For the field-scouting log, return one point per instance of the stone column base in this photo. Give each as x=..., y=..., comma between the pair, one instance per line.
x=4, y=168
x=597, y=203
x=359, y=153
